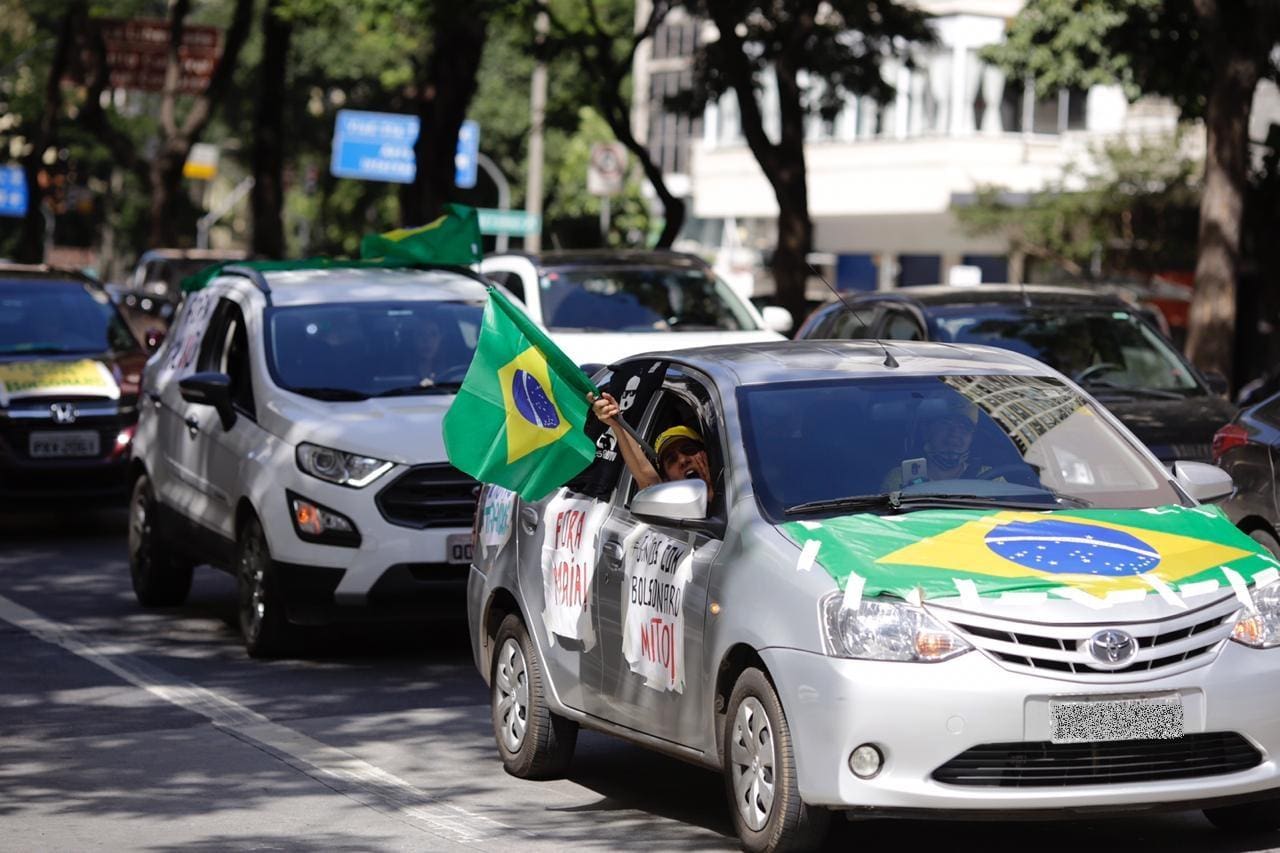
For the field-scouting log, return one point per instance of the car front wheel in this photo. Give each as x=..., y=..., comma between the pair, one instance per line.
x=760, y=773
x=533, y=742
x=264, y=625
x=159, y=578
x=1266, y=540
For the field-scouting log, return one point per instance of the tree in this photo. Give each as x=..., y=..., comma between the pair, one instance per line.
x=606, y=47
x=818, y=52
x=267, y=200
x=1206, y=55
x=1132, y=213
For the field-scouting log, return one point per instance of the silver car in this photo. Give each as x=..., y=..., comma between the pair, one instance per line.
x=942, y=578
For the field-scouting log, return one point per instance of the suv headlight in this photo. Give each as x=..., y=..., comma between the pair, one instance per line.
x=1259, y=628
x=335, y=466
x=884, y=629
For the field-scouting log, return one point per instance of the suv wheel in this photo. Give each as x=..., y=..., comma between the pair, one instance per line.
x=533, y=742
x=760, y=773
x=159, y=578
x=1266, y=540
x=263, y=623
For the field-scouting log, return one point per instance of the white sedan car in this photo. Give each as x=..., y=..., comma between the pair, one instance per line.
x=601, y=306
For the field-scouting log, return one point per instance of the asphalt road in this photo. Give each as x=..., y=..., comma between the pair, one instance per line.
x=125, y=729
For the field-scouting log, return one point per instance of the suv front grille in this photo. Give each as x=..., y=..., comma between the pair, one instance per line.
x=1166, y=645
x=1044, y=764
x=436, y=495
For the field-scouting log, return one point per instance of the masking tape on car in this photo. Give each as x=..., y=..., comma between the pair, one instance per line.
x=1191, y=590
x=1166, y=592
x=810, y=553
x=853, y=592
x=1240, y=588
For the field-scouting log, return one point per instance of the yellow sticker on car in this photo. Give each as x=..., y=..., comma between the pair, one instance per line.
x=45, y=378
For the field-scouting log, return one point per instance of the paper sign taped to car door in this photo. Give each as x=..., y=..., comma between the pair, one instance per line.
x=495, y=518
x=658, y=570
x=569, y=566
x=49, y=378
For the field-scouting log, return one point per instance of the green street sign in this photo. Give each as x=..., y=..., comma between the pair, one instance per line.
x=511, y=222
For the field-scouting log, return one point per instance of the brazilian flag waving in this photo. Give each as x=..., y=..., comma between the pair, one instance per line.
x=518, y=417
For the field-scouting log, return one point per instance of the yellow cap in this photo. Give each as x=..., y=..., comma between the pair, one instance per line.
x=669, y=436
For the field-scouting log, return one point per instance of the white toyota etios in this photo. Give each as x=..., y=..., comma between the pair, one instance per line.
x=946, y=580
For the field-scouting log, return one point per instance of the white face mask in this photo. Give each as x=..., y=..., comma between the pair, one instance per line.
x=629, y=394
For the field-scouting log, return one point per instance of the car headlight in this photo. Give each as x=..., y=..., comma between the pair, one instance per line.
x=335, y=466
x=884, y=629
x=1259, y=628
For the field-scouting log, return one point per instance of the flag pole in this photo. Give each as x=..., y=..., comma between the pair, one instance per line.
x=644, y=445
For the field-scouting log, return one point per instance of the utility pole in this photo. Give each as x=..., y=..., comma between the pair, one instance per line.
x=537, y=114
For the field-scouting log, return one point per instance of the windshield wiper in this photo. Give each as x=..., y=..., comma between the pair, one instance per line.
x=1153, y=393
x=334, y=394
x=898, y=502
x=410, y=390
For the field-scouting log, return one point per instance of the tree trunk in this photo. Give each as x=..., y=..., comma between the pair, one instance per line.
x=1211, y=326
x=616, y=114
x=445, y=94
x=30, y=248
x=267, y=200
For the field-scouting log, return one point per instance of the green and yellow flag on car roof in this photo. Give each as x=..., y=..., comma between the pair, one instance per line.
x=519, y=415
x=453, y=239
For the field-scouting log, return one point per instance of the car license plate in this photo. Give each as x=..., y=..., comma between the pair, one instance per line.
x=457, y=547
x=1158, y=717
x=48, y=445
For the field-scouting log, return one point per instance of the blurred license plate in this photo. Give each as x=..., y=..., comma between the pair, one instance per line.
x=1157, y=717
x=46, y=445
x=457, y=547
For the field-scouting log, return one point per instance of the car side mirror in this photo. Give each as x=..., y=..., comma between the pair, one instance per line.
x=152, y=339
x=210, y=389
x=777, y=319
x=1202, y=481
x=679, y=502
x=1217, y=382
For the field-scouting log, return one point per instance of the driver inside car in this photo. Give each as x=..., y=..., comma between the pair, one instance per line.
x=947, y=425
x=682, y=454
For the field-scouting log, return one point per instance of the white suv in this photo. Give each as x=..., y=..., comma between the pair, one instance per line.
x=292, y=436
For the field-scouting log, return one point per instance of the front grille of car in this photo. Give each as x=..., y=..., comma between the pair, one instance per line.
x=1044, y=764
x=437, y=495
x=1166, y=646
x=92, y=414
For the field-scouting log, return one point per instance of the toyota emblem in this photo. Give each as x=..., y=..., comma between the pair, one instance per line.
x=64, y=413
x=1112, y=648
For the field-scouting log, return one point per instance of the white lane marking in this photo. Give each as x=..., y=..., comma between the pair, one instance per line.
x=332, y=767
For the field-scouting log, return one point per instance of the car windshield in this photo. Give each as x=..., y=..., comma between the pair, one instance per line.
x=639, y=299
x=1101, y=349
x=353, y=351
x=51, y=317
x=1021, y=441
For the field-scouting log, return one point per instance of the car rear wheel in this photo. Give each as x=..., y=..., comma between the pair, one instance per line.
x=264, y=626
x=159, y=578
x=760, y=773
x=1260, y=816
x=1266, y=540
x=533, y=742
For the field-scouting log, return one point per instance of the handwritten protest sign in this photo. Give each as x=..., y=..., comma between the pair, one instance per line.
x=495, y=518
x=568, y=566
x=51, y=378
x=658, y=569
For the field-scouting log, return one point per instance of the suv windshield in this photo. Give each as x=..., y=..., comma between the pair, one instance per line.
x=51, y=317
x=352, y=351
x=639, y=299
x=1022, y=441
x=1100, y=349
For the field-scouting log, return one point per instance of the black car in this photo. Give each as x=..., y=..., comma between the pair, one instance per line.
x=1248, y=448
x=1101, y=341
x=69, y=376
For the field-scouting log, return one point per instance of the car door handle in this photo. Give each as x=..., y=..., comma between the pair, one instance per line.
x=612, y=552
x=193, y=425
x=528, y=519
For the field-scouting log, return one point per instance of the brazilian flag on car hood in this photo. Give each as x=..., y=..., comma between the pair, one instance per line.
x=1097, y=557
x=518, y=418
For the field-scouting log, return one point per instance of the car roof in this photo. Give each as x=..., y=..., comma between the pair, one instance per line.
x=210, y=255
x=611, y=257
x=46, y=271
x=1039, y=295
x=367, y=284
x=789, y=361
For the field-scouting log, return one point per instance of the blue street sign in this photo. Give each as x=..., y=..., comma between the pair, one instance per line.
x=466, y=165
x=13, y=191
x=374, y=146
